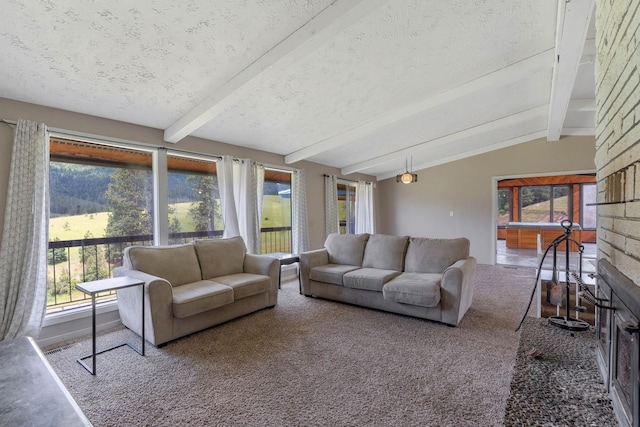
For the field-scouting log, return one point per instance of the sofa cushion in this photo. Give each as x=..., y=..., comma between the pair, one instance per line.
x=177, y=264
x=371, y=279
x=385, y=252
x=196, y=297
x=346, y=248
x=331, y=273
x=221, y=257
x=420, y=289
x=245, y=284
x=425, y=255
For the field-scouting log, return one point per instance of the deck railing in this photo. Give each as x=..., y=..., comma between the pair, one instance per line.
x=76, y=261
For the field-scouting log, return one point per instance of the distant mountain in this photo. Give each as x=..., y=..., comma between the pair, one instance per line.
x=76, y=189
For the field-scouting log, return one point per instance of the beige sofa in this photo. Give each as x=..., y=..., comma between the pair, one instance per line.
x=422, y=277
x=194, y=286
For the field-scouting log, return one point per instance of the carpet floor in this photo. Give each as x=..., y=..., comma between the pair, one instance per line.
x=312, y=362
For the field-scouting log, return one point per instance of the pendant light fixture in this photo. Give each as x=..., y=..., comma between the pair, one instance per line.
x=407, y=177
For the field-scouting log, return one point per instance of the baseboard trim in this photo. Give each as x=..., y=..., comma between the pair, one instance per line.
x=76, y=333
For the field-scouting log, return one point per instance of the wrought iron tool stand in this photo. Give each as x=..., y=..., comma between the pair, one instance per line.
x=566, y=321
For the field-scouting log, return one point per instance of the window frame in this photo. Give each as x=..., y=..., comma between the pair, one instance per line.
x=509, y=190
x=551, y=188
x=349, y=199
x=583, y=206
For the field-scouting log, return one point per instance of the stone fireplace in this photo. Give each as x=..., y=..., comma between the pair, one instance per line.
x=618, y=337
x=617, y=76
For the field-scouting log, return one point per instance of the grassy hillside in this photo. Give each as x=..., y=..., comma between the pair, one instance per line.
x=539, y=212
x=275, y=213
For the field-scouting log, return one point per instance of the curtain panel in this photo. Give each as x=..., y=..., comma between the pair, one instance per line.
x=365, y=208
x=332, y=222
x=240, y=182
x=25, y=234
x=299, y=227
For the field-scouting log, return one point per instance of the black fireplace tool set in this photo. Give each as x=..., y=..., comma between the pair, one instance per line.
x=555, y=291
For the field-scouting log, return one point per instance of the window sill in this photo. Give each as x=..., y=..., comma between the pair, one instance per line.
x=78, y=313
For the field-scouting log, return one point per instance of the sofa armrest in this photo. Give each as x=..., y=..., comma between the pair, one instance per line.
x=308, y=260
x=268, y=266
x=158, y=298
x=262, y=264
x=457, y=290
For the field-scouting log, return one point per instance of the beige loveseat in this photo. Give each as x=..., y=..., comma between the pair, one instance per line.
x=194, y=286
x=420, y=277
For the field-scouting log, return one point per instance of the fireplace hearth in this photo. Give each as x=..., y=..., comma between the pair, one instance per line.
x=618, y=337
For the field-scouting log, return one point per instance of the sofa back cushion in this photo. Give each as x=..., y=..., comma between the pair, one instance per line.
x=346, y=249
x=178, y=264
x=221, y=257
x=385, y=252
x=425, y=255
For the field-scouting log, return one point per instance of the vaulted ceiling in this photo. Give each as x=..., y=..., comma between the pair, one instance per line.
x=361, y=85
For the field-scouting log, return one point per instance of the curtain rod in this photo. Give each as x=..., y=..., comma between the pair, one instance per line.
x=349, y=180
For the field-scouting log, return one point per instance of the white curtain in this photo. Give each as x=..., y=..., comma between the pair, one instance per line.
x=253, y=213
x=332, y=224
x=25, y=235
x=241, y=183
x=299, y=229
x=227, y=197
x=365, y=208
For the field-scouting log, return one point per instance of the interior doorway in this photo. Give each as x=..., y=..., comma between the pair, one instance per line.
x=528, y=206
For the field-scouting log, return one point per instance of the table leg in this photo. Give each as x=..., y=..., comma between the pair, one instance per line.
x=142, y=286
x=93, y=330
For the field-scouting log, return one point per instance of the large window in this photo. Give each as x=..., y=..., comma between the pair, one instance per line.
x=347, y=207
x=101, y=200
x=589, y=216
x=194, y=199
x=275, y=233
x=504, y=206
x=545, y=203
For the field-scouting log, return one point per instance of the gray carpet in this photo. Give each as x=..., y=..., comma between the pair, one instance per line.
x=311, y=362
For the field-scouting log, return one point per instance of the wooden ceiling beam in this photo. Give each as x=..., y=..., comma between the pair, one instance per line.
x=571, y=33
x=451, y=138
x=470, y=153
x=323, y=27
x=499, y=78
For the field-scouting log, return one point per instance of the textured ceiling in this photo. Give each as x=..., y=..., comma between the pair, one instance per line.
x=359, y=85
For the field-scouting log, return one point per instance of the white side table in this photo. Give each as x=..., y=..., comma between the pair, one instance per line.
x=104, y=285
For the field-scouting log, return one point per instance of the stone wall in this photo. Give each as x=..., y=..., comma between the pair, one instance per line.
x=617, y=71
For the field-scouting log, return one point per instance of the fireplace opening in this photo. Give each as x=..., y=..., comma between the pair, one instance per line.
x=618, y=347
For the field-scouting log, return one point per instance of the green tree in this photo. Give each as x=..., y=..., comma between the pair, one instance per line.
x=56, y=256
x=94, y=261
x=174, y=223
x=63, y=285
x=130, y=203
x=130, y=207
x=203, y=211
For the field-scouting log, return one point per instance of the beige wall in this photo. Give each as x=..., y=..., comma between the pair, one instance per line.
x=618, y=129
x=13, y=110
x=466, y=188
